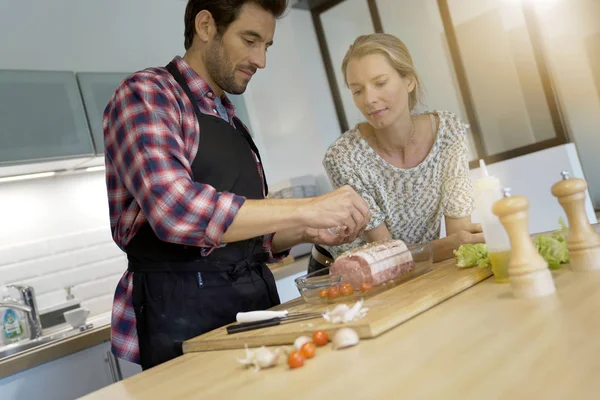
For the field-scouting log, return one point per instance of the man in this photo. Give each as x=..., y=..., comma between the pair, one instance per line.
x=187, y=190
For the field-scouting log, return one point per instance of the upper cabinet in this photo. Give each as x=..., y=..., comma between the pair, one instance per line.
x=96, y=90
x=41, y=118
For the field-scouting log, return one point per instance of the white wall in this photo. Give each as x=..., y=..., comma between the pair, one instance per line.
x=55, y=232
x=532, y=176
x=342, y=24
x=419, y=25
x=565, y=28
x=290, y=106
x=87, y=35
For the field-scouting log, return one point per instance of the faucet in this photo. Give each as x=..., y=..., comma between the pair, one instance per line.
x=30, y=308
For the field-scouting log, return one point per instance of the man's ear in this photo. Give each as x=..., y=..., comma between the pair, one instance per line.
x=205, y=26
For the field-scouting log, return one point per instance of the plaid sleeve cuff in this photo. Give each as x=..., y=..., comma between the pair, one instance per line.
x=274, y=257
x=226, y=209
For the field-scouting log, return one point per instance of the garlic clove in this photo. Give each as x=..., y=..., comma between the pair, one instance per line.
x=266, y=358
x=344, y=314
x=249, y=357
x=353, y=312
x=298, y=343
x=261, y=357
x=345, y=337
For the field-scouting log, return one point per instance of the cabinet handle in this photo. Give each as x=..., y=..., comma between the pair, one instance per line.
x=118, y=372
x=115, y=368
x=111, y=367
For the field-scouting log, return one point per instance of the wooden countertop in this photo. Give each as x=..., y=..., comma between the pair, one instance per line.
x=480, y=344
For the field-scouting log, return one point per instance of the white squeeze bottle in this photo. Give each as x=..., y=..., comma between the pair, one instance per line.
x=488, y=191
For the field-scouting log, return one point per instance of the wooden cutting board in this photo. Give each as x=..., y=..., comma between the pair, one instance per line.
x=387, y=310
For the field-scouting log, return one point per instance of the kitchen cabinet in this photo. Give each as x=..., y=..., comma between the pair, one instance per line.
x=68, y=377
x=43, y=121
x=97, y=88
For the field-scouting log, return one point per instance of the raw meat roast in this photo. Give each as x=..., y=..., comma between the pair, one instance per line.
x=374, y=263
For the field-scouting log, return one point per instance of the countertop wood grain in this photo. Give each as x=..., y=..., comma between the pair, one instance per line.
x=480, y=344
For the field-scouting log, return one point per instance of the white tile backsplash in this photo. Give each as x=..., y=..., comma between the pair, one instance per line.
x=79, y=240
x=98, y=305
x=74, y=276
x=47, y=300
x=10, y=254
x=88, y=261
x=96, y=288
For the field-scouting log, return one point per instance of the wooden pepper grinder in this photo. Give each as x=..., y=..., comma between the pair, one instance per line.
x=582, y=241
x=528, y=272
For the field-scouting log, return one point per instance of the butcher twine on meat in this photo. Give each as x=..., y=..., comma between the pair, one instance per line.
x=374, y=263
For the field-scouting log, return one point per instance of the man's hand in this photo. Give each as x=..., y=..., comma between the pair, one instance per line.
x=343, y=208
x=324, y=237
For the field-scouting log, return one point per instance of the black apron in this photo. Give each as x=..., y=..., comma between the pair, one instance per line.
x=178, y=293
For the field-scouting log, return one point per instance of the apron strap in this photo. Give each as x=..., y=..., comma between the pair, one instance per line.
x=256, y=262
x=203, y=265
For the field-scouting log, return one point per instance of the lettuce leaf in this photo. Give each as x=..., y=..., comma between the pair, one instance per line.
x=471, y=255
x=552, y=247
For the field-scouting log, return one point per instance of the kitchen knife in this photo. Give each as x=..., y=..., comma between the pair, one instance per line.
x=248, y=326
x=252, y=316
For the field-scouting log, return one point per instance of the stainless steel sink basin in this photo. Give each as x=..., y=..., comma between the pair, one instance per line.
x=23, y=345
x=29, y=344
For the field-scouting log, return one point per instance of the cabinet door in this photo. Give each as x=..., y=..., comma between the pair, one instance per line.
x=69, y=377
x=97, y=89
x=42, y=117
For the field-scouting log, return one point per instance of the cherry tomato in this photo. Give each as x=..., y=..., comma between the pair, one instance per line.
x=333, y=292
x=346, y=289
x=320, y=338
x=365, y=287
x=308, y=350
x=296, y=359
x=323, y=293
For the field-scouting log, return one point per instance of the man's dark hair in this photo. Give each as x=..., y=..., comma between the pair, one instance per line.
x=224, y=13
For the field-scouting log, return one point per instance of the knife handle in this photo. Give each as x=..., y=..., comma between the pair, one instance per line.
x=251, y=316
x=248, y=326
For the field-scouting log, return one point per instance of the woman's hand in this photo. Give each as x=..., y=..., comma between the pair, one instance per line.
x=443, y=249
x=472, y=234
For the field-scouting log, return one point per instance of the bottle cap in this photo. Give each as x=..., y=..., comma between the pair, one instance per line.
x=486, y=181
x=484, y=171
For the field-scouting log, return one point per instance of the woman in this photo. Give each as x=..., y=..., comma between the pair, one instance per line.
x=411, y=168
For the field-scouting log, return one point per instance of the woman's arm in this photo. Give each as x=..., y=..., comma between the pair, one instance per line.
x=461, y=231
x=454, y=225
x=376, y=234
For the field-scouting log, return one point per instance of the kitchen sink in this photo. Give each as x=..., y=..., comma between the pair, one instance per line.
x=29, y=344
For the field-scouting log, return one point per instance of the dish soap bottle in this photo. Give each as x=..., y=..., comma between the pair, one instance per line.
x=487, y=191
x=12, y=320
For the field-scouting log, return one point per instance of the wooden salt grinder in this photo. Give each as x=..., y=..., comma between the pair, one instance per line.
x=582, y=241
x=528, y=272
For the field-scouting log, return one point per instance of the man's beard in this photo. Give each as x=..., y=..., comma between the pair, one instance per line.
x=220, y=70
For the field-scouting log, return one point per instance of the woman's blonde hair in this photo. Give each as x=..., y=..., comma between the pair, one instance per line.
x=395, y=51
